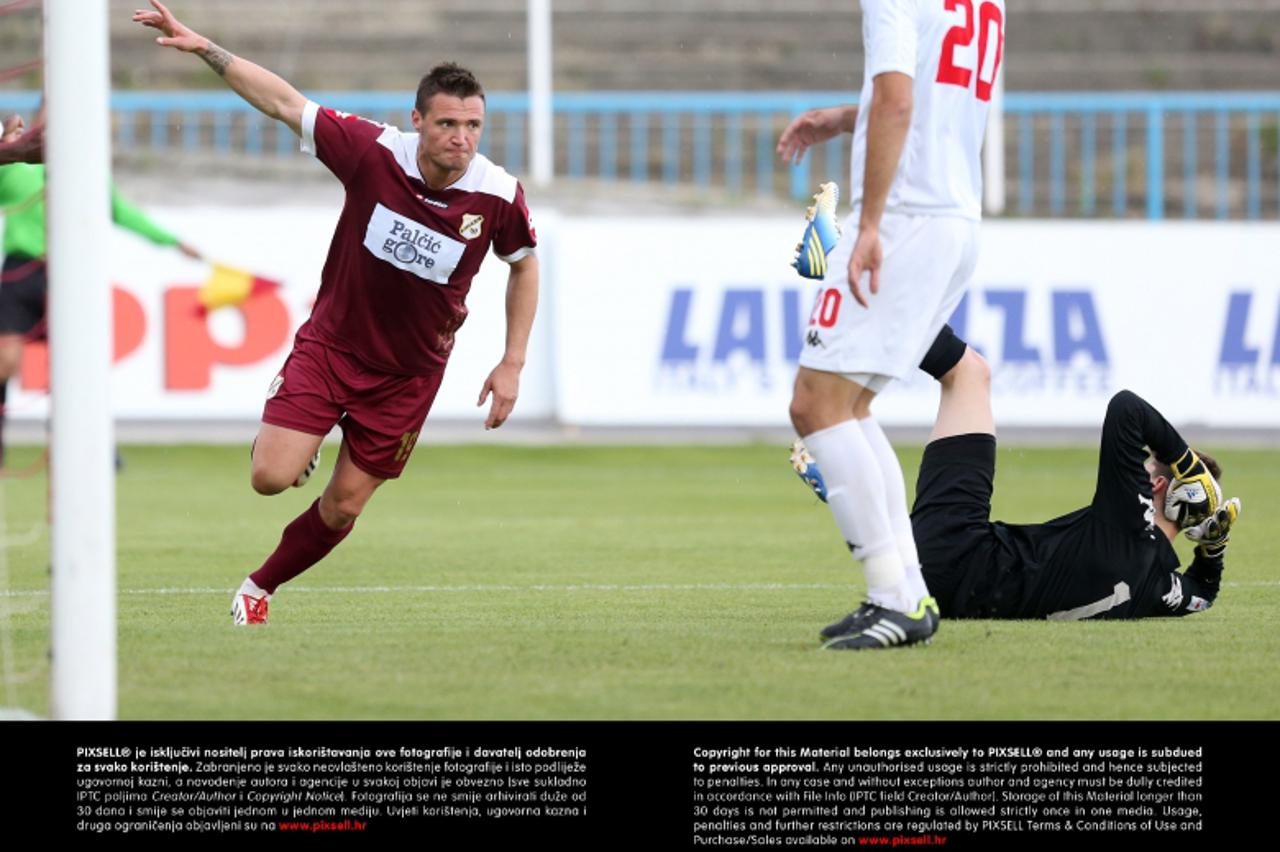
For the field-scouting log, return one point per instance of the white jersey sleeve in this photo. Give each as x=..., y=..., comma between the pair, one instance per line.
x=890, y=36
x=952, y=50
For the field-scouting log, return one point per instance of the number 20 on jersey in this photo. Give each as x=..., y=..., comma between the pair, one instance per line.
x=989, y=29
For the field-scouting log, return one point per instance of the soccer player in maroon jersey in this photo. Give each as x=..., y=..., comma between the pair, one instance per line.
x=420, y=215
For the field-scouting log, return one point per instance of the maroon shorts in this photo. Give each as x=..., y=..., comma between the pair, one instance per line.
x=380, y=413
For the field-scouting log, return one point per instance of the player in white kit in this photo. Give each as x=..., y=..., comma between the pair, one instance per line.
x=906, y=254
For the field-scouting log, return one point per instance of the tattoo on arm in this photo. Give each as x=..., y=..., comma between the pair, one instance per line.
x=217, y=58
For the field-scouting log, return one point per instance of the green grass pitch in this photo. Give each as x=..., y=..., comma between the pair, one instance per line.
x=607, y=583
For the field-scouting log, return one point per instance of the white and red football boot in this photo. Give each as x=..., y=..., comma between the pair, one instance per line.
x=249, y=606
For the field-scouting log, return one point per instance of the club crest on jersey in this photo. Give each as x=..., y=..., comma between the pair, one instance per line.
x=275, y=386
x=471, y=225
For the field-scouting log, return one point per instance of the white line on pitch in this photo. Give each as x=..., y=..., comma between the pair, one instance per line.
x=539, y=587
x=536, y=587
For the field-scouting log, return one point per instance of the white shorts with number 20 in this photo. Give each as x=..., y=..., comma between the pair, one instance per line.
x=928, y=263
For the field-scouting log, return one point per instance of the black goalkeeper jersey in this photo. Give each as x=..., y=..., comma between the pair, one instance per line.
x=1107, y=560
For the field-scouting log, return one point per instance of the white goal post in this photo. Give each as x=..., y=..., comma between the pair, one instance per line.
x=82, y=445
x=541, y=127
x=993, y=153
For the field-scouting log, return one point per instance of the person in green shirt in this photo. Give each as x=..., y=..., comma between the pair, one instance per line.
x=23, y=283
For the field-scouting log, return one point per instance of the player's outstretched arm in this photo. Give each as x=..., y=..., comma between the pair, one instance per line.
x=132, y=218
x=267, y=93
x=522, y=303
x=813, y=128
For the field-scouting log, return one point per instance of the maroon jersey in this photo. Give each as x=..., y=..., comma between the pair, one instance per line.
x=394, y=286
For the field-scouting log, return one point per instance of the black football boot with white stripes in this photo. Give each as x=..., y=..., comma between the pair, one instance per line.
x=873, y=626
x=850, y=624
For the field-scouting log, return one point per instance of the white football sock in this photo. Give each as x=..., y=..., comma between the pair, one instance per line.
x=856, y=496
x=895, y=492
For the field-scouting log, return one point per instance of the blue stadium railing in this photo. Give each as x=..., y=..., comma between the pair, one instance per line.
x=1191, y=155
x=1231, y=119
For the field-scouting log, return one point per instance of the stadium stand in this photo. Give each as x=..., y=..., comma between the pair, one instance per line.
x=713, y=44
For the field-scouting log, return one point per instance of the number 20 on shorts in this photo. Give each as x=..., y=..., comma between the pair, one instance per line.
x=826, y=308
x=990, y=32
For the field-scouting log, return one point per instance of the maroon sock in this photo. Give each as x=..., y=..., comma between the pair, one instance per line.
x=4, y=399
x=304, y=542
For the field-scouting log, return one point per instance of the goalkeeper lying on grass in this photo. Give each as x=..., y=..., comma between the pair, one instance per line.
x=1112, y=559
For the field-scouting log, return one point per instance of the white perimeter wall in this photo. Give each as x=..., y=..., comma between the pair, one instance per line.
x=696, y=321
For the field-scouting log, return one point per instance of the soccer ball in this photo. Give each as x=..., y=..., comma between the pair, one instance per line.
x=1189, y=503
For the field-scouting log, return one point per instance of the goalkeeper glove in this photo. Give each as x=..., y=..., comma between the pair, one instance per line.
x=1212, y=533
x=1194, y=494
